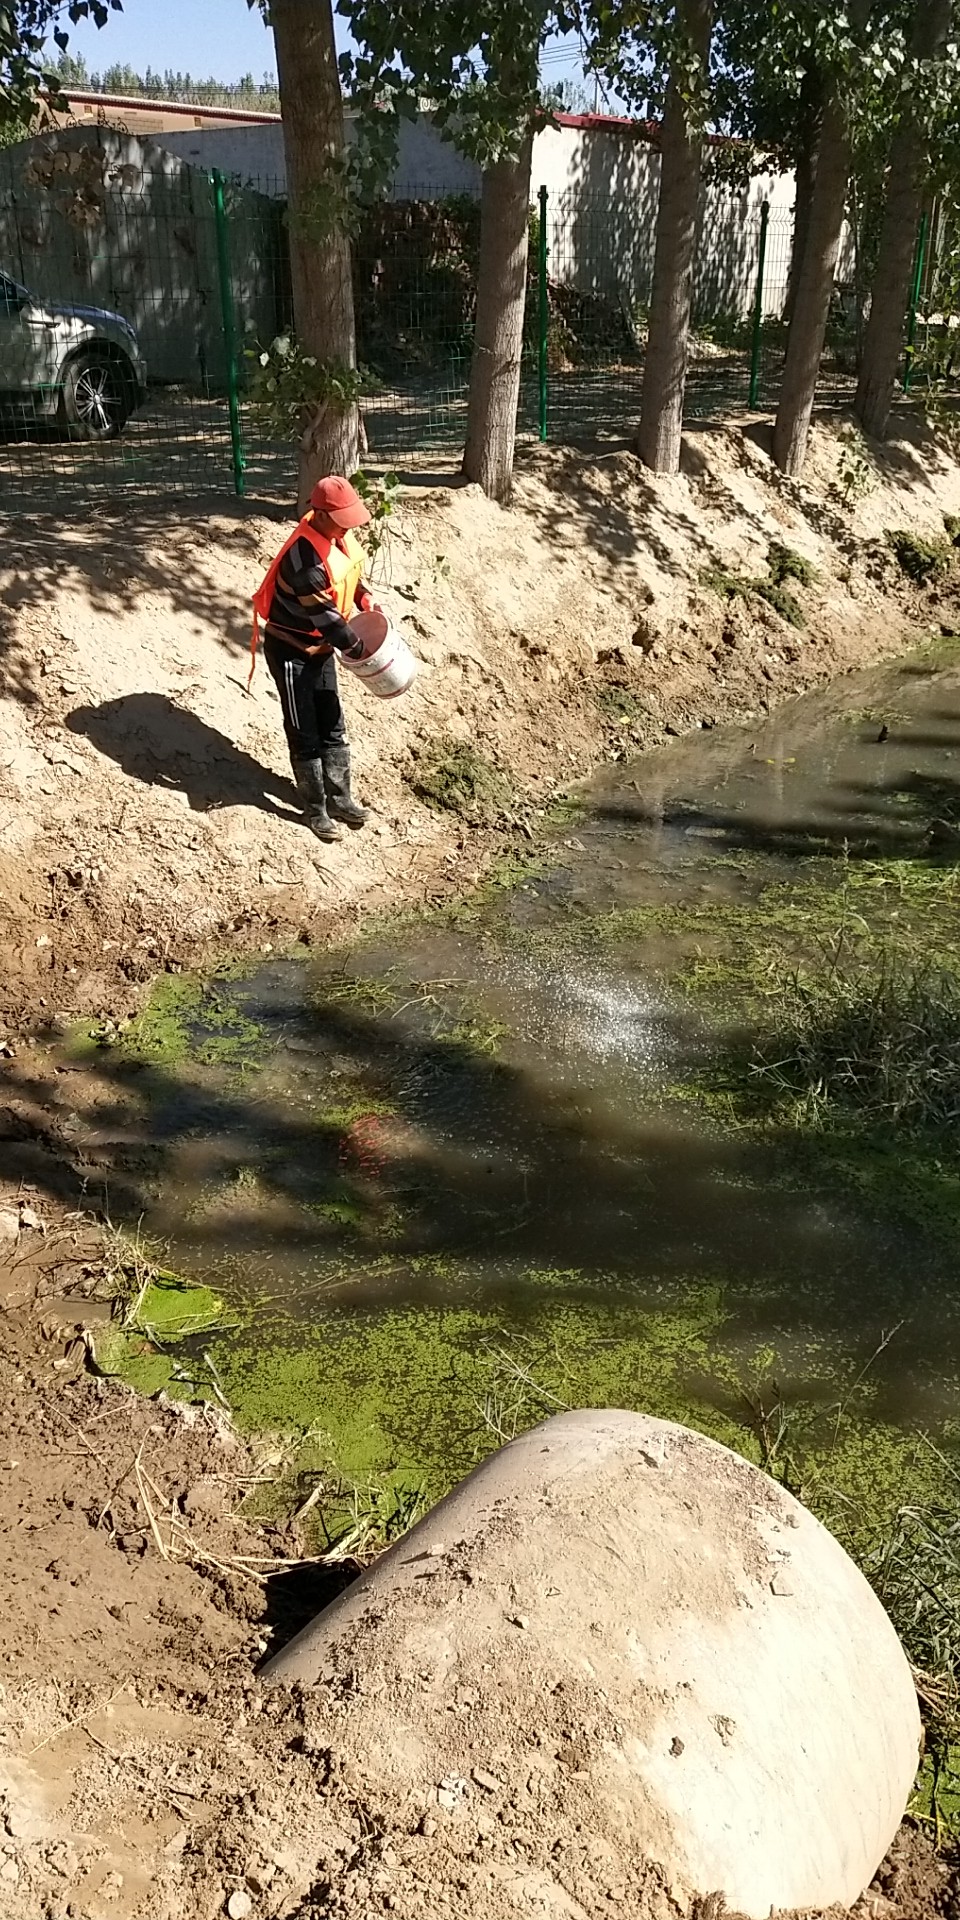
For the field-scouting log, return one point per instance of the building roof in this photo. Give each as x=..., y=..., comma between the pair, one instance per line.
x=640, y=129
x=602, y=122
x=199, y=112
x=188, y=109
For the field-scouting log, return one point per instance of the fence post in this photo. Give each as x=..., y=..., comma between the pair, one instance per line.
x=544, y=310
x=229, y=330
x=916, y=285
x=757, y=340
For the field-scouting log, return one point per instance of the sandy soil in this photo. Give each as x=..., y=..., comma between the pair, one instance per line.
x=146, y=812
x=145, y=818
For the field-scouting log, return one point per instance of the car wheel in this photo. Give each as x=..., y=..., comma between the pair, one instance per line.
x=97, y=398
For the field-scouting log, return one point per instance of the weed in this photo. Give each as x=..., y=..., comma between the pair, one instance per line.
x=951, y=523
x=876, y=1033
x=373, y=1518
x=781, y=601
x=921, y=560
x=620, y=703
x=155, y=1310
x=871, y=716
x=372, y=997
x=379, y=494
x=915, y=1571
x=729, y=586
x=784, y=563
x=452, y=777
x=856, y=469
x=476, y=1035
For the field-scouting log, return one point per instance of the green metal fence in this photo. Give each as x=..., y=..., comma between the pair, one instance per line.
x=132, y=301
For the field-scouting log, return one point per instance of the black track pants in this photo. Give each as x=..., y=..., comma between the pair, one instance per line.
x=313, y=718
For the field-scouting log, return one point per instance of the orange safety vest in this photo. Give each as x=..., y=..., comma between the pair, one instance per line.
x=342, y=560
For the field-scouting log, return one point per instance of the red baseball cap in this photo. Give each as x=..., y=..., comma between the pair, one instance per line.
x=335, y=497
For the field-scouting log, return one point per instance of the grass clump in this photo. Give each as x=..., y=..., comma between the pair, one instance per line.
x=914, y=1570
x=729, y=586
x=882, y=1041
x=452, y=777
x=783, y=564
x=782, y=601
x=921, y=560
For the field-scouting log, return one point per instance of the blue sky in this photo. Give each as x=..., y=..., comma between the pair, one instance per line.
x=223, y=38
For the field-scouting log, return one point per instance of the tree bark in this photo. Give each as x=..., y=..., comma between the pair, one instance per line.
x=906, y=178
x=668, y=337
x=498, y=338
x=314, y=145
x=805, y=173
x=814, y=286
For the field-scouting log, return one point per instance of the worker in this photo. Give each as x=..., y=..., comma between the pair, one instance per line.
x=306, y=599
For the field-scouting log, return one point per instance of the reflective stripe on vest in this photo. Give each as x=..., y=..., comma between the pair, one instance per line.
x=342, y=560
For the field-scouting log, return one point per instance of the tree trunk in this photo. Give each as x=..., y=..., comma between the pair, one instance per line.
x=668, y=337
x=805, y=173
x=498, y=338
x=906, y=178
x=313, y=140
x=814, y=287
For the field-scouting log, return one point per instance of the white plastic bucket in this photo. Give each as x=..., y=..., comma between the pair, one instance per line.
x=382, y=659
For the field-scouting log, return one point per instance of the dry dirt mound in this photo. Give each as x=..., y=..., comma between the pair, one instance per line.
x=616, y=1628
x=145, y=804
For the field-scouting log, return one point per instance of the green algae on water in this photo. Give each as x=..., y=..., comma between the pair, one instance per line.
x=185, y=1019
x=416, y=1391
x=141, y=1346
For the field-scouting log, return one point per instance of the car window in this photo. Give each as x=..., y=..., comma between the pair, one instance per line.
x=12, y=296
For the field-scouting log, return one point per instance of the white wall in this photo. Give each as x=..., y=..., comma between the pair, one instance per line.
x=253, y=154
x=603, y=186
x=428, y=168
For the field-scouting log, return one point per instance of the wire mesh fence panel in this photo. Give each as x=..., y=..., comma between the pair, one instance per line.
x=599, y=274
x=415, y=280
x=600, y=277
x=137, y=293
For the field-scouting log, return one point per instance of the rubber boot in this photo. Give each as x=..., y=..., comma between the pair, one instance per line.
x=308, y=775
x=340, y=801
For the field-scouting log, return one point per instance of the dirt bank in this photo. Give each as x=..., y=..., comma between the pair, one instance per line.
x=147, y=813
x=145, y=1774
x=146, y=818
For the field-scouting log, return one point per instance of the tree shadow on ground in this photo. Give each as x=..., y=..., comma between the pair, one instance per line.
x=118, y=559
x=156, y=741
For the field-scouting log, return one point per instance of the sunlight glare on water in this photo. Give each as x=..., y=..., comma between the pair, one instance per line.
x=593, y=1016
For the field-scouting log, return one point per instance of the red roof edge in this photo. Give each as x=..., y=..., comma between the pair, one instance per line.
x=644, y=129
x=596, y=122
